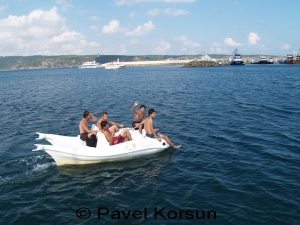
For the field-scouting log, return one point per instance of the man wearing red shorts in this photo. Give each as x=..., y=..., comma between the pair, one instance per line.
x=113, y=140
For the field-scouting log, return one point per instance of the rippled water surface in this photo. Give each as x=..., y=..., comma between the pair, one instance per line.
x=239, y=127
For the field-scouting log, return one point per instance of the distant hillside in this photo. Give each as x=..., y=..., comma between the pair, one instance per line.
x=40, y=62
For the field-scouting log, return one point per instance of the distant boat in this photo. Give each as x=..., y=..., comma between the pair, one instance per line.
x=89, y=65
x=293, y=59
x=115, y=65
x=282, y=61
x=236, y=59
x=262, y=60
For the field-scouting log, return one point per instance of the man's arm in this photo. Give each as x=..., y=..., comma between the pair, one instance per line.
x=92, y=118
x=152, y=130
x=98, y=124
x=134, y=105
x=139, y=124
x=114, y=123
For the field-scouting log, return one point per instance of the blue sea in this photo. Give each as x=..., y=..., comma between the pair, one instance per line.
x=239, y=127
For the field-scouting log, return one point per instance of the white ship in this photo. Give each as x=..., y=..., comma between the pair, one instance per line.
x=115, y=65
x=89, y=65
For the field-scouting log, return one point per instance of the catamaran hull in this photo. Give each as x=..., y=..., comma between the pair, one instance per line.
x=71, y=150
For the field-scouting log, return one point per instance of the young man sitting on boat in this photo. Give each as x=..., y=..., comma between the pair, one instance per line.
x=89, y=136
x=139, y=116
x=110, y=135
x=152, y=133
x=114, y=126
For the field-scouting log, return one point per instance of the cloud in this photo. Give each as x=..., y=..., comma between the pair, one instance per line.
x=141, y=30
x=112, y=27
x=216, y=44
x=93, y=27
x=162, y=48
x=65, y=5
x=41, y=33
x=231, y=42
x=216, y=50
x=253, y=38
x=94, y=18
x=132, y=2
x=3, y=7
x=175, y=12
x=134, y=41
x=187, y=42
x=153, y=12
x=132, y=14
x=285, y=47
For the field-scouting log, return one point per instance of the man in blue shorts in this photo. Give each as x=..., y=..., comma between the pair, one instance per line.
x=150, y=131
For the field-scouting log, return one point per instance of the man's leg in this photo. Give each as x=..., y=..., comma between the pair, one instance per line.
x=169, y=141
x=126, y=134
x=114, y=129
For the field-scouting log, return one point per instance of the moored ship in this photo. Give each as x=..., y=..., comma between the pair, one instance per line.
x=293, y=59
x=236, y=59
x=262, y=60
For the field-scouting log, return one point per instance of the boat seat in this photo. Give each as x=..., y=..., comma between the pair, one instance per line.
x=81, y=141
x=101, y=141
x=94, y=127
x=144, y=133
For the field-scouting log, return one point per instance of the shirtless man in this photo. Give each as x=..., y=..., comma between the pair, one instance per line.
x=89, y=136
x=150, y=131
x=110, y=135
x=114, y=126
x=139, y=116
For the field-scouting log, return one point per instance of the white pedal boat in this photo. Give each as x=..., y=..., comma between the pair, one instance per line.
x=72, y=150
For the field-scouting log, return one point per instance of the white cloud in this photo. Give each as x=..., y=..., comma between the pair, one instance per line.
x=175, y=12
x=70, y=36
x=132, y=2
x=3, y=7
x=94, y=18
x=216, y=49
x=187, y=42
x=153, y=12
x=132, y=14
x=134, y=41
x=41, y=33
x=285, y=47
x=141, y=30
x=253, y=38
x=231, y=42
x=162, y=48
x=216, y=44
x=93, y=27
x=112, y=27
x=65, y=4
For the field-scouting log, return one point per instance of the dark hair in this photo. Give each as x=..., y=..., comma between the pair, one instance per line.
x=86, y=113
x=103, y=124
x=143, y=106
x=150, y=111
x=104, y=113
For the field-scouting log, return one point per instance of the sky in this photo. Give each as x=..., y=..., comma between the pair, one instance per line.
x=148, y=27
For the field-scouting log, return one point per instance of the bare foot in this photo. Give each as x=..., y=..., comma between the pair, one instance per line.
x=177, y=146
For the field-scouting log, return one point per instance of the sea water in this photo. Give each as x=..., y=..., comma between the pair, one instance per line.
x=238, y=127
